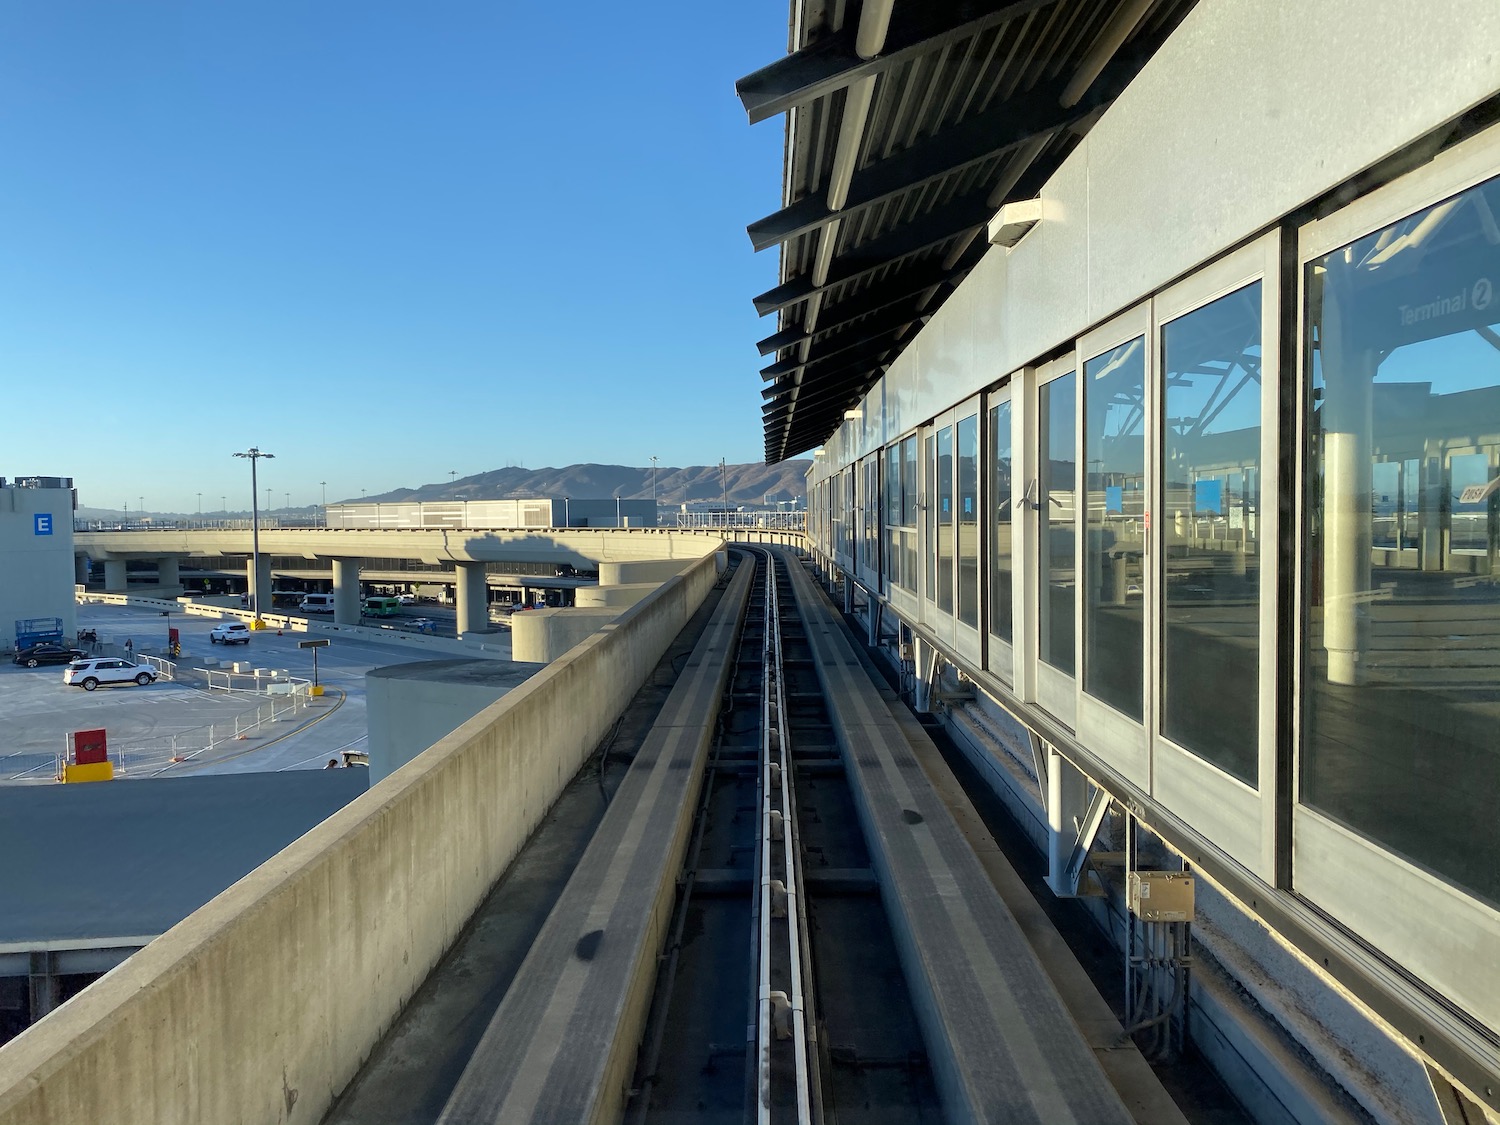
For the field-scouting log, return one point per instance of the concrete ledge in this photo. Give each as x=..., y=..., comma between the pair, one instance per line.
x=628, y=572
x=593, y=597
x=540, y=636
x=261, y=1006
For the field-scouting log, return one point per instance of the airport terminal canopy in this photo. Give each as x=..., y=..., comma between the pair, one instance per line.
x=909, y=124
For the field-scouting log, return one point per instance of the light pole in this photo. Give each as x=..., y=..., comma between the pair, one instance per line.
x=200, y=505
x=567, y=516
x=452, y=476
x=653, y=490
x=288, y=496
x=268, y=499
x=253, y=455
x=224, y=504
x=724, y=492
x=617, y=508
x=324, y=484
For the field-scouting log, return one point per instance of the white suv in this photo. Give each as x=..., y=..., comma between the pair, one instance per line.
x=229, y=633
x=89, y=674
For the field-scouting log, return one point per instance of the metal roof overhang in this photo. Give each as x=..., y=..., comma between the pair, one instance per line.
x=909, y=124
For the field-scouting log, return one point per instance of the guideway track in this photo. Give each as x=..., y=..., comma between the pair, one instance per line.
x=561, y=1045
x=779, y=892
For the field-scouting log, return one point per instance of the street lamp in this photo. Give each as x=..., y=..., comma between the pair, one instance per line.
x=200, y=505
x=618, y=523
x=253, y=455
x=653, y=490
x=324, y=484
x=567, y=517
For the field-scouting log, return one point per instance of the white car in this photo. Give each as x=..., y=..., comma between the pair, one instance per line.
x=406, y=599
x=229, y=633
x=89, y=674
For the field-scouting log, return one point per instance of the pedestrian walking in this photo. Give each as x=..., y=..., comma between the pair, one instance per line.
x=129, y=647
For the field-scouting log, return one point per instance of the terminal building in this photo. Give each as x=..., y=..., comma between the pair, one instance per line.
x=36, y=554
x=1151, y=357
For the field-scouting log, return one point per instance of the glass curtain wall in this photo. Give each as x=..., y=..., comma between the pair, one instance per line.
x=1114, y=544
x=1002, y=564
x=944, y=518
x=901, y=515
x=1211, y=433
x=1056, y=486
x=968, y=520
x=1401, y=651
x=929, y=458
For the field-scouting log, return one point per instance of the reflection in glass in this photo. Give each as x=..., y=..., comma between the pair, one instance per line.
x=1114, y=438
x=1401, y=658
x=892, y=558
x=929, y=457
x=1001, y=564
x=909, y=507
x=1058, y=472
x=942, y=518
x=1211, y=369
x=968, y=520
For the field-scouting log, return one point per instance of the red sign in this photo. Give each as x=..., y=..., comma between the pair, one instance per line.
x=90, y=747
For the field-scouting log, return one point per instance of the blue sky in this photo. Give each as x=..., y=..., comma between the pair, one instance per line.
x=382, y=241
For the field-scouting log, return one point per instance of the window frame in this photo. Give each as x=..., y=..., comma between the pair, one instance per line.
x=1239, y=818
x=1332, y=866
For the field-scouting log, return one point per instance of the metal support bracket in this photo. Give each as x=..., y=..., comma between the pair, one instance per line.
x=1075, y=812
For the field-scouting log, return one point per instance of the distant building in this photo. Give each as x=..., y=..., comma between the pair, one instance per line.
x=526, y=512
x=36, y=553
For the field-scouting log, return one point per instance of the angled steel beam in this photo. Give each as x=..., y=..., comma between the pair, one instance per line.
x=778, y=340
x=921, y=233
x=858, y=341
x=998, y=130
x=878, y=298
x=832, y=63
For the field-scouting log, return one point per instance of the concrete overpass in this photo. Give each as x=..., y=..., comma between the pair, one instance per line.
x=622, y=555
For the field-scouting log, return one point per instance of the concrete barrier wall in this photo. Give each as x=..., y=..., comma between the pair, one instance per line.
x=540, y=636
x=262, y=1005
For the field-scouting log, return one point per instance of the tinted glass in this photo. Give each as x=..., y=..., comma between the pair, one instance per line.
x=1211, y=370
x=1401, y=666
x=944, y=519
x=968, y=520
x=1057, y=478
x=930, y=506
x=1001, y=565
x=1114, y=547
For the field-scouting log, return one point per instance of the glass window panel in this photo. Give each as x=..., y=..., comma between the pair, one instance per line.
x=1114, y=438
x=1401, y=657
x=909, y=513
x=892, y=515
x=943, y=518
x=929, y=505
x=968, y=520
x=1001, y=564
x=1211, y=428
x=1056, y=483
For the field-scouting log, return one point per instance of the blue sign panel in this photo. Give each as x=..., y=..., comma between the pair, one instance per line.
x=42, y=522
x=1114, y=499
x=1208, y=496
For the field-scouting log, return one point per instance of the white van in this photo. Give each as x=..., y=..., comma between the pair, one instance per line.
x=317, y=603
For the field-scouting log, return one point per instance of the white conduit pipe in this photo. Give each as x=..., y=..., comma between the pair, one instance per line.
x=1104, y=48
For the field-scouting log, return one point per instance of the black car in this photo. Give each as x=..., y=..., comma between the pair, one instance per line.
x=48, y=654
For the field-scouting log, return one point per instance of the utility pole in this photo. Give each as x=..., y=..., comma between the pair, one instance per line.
x=653, y=490
x=724, y=491
x=253, y=455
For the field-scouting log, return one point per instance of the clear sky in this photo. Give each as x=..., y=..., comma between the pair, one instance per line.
x=380, y=240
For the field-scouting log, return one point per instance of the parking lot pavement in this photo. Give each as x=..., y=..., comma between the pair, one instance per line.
x=143, y=721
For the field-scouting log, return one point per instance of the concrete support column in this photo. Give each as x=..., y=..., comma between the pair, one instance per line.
x=346, y=591
x=1430, y=508
x=114, y=576
x=1067, y=796
x=80, y=569
x=923, y=665
x=166, y=572
x=46, y=988
x=259, y=583
x=473, y=604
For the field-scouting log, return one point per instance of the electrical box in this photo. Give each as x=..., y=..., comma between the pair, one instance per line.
x=1161, y=896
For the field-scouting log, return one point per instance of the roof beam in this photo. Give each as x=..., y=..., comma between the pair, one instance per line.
x=791, y=366
x=921, y=233
x=832, y=63
x=986, y=135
